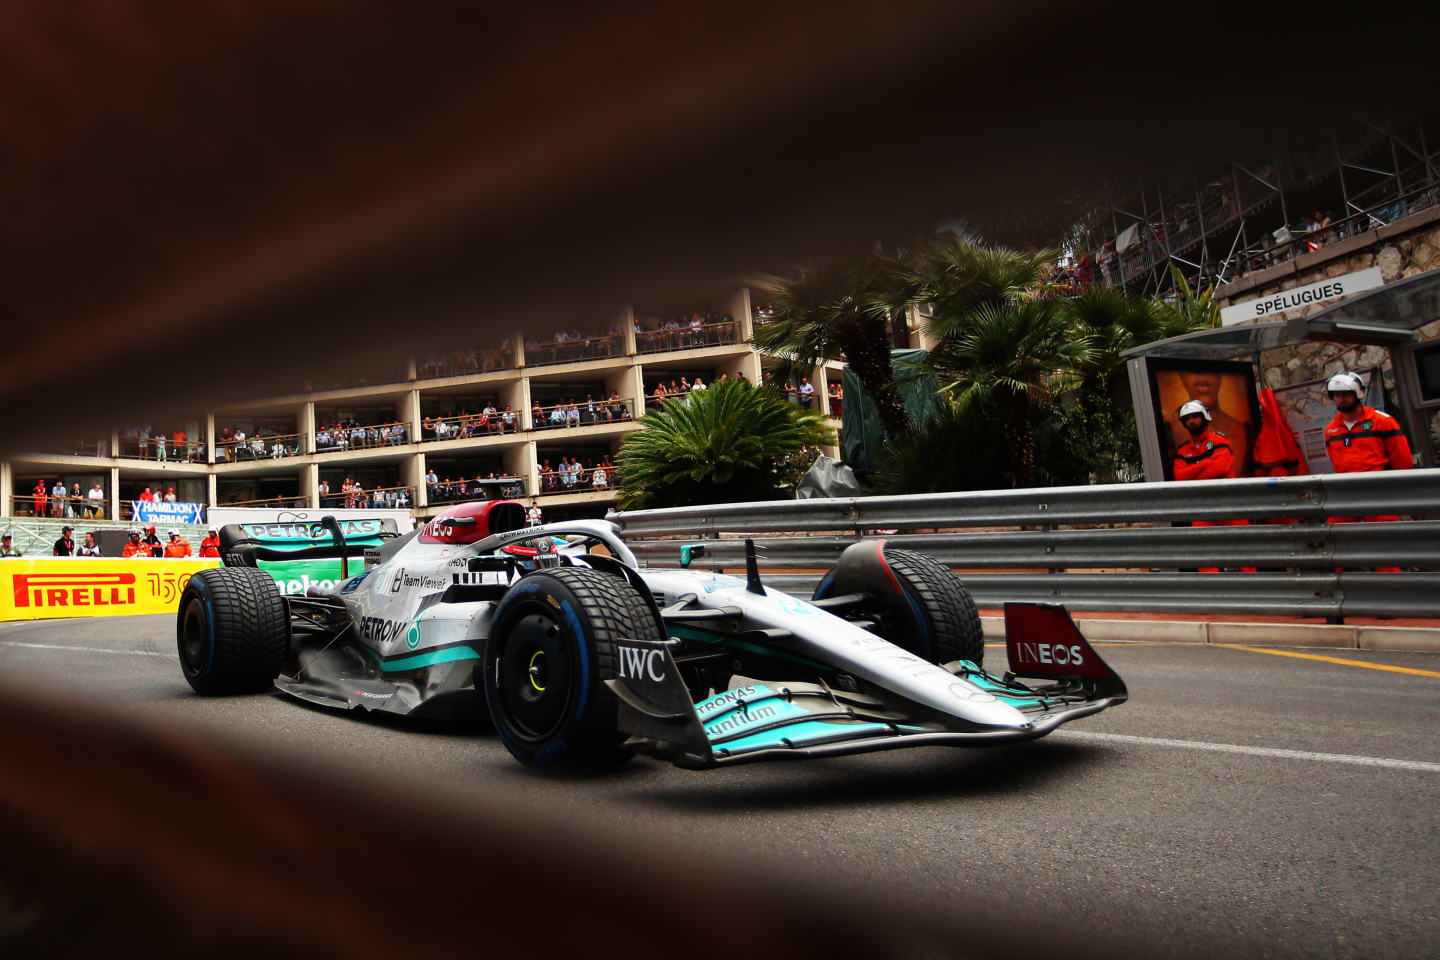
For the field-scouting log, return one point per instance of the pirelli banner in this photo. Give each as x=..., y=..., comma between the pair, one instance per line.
x=48, y=588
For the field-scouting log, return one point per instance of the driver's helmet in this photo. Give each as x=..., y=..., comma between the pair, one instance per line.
x=1192, y=407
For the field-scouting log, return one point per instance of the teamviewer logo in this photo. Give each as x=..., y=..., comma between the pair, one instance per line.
x=74, y=589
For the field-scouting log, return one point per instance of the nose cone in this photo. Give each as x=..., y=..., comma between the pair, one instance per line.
x=980, y=706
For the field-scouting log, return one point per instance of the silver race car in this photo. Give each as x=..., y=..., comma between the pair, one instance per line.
x=583, y=657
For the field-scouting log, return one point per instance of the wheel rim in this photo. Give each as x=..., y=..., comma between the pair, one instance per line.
x=534, y=676
x=194, y=635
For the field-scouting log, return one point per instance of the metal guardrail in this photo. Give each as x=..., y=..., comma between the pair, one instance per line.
x=1141, y=563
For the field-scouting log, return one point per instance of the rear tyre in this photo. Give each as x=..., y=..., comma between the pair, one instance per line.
x=549, y=653
x=232, y=631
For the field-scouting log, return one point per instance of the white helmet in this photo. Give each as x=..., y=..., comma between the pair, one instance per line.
x=1192, y=407
x=172, y=532
x=1345, y=382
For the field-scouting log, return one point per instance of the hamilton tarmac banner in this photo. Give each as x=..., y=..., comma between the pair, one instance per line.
x=47, y=588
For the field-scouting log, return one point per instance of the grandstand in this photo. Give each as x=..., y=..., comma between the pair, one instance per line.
x=1250, y=213
x=419, y=435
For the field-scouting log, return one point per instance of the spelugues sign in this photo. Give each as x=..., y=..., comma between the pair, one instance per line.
x=1330, y=289
x=47, y=588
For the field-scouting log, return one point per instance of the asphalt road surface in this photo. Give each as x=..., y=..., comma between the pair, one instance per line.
x=1244, y=802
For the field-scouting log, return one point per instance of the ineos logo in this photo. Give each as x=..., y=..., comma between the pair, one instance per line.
x=638, y=664
x=1055, y=654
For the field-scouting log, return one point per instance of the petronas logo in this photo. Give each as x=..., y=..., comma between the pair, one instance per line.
x=412, y=636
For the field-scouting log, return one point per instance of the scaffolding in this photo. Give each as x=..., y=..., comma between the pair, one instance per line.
x=1250, y=213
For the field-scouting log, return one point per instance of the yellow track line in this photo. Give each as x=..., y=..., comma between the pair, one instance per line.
x=1342, y=662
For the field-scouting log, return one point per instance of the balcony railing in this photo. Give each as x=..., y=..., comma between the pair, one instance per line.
x=466, y=363
x=467, y=426
x=584, y=413
x=480, y=488
x=380, y=498
x=369, y=437
x=297, y=502
x=262, y=447
x=78, y=448
x=687, y=337
x=162, y=449
x=67, y=507
x=600, y=479
x=569, y=351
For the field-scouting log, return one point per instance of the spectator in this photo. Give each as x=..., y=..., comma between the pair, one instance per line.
x=357, y=494
x=507, y=420
x=136, y=547
x=178, y=441
x=807, y=393
x=95, y=501
x=557, y=415
x=169, y=494
x=698, y=385
x=89, y=548
x=152, y=541
x=39, y=498
x=599, y=479
x=324, y=488
x=7, y=547
x=74, y=507
x=65, y=544
x=57, y=499
x=178, y=546
x=160, y=449
x=210, y=546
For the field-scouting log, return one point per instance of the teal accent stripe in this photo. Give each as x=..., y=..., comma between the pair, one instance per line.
x=448, y=655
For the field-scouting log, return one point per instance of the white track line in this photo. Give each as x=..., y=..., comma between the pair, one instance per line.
x=58, y=646
x=1280, y=753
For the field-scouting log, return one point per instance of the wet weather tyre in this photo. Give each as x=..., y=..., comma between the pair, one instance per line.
x=550, y=650
x=934, y=616
x=232, y=631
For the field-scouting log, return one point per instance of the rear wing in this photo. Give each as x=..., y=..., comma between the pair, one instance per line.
x=243, y=544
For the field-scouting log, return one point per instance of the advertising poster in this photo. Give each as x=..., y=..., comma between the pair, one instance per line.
x=1227, y=388
x=1309, y=409
x=48, y=588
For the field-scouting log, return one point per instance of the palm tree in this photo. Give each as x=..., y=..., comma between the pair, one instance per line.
x=1009, y=356
x=1198, y=309
x=957, y=274
x=719, y=445
x=837, y=310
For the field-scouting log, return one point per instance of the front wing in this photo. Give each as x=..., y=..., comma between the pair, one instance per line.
x=774, y=721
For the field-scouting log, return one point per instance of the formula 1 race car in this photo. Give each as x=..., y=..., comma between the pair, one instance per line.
x=583, y=657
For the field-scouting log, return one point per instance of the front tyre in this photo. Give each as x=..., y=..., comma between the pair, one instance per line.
x=549, y=653
x=232, y=631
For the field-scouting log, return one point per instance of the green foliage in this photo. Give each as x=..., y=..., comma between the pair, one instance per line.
x=1195, y=310
x=966, y=448
x=722, y=445
x=955, y=449
x=837, y=310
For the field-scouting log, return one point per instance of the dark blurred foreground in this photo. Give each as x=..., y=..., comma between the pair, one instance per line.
x=117, y=837
x=208, y=202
